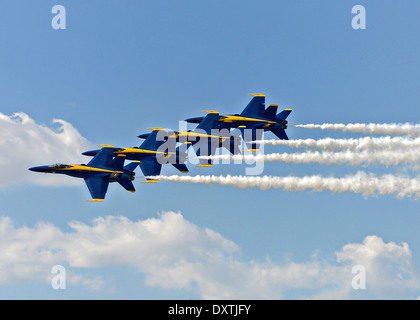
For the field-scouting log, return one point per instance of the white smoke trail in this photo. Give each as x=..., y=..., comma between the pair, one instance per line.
x=366, y=143
x=363, y=183
x=406, y=129
x=385, y=158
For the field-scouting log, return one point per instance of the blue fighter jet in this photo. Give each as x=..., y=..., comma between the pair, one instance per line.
x=151, y=154
x=254, y=120
x=98, y=173
x=204, y=139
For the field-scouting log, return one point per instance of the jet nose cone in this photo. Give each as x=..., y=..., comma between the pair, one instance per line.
x=38, y=169
x=194, y=120
x=90, y=153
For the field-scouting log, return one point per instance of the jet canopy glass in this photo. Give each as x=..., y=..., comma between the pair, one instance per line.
x=59, y=166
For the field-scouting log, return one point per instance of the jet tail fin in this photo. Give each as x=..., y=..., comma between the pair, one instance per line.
x=117, y=163
x=103, y=157
x=132, y=166
x=270, y=112
x=152, y=142
x=210, y=121
x=256, y=106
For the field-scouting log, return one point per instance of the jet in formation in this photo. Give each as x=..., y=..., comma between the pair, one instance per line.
x=98, y=173
x=150, y=155
x=254, y=120
x=162, y=146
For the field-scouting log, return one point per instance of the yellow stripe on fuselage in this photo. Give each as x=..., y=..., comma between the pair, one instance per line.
x=76, y=167
x=136, y=150
x=192, y=134
x=239, y=118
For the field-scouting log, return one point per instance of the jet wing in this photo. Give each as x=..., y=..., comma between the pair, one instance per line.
x=98, y=187
x=150, y=167
x=204, y=149
x=252, y=134
x=103, y=157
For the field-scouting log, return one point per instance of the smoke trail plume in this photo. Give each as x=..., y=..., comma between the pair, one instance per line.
x=363, y=183
x=366, y=143
x=406, y=129
x=385, y=158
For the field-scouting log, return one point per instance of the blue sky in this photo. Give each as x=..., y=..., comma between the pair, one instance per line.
x=120, y=68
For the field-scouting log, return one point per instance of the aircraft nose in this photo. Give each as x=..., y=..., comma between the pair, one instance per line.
x=39, y=169
x=194, y=120
x=90, y=153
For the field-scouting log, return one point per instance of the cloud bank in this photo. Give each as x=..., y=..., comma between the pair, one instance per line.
x=176, y=254
x=25, y=144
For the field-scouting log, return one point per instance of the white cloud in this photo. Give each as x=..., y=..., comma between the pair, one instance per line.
x=174, y=253
x=389, y=266
x=25, y=144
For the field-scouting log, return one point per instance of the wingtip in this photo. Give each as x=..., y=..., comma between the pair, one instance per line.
x=158, y=129
x=150, y=181
x=105, y=145
x=210, y=111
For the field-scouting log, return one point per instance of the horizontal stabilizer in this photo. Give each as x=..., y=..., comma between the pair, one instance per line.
x=127, y=185
x=280, y=133
x=284, y=114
